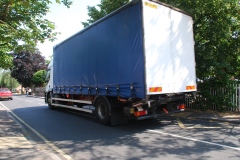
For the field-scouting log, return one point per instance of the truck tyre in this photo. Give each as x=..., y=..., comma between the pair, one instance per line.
x=49, y=101
x=103, y=110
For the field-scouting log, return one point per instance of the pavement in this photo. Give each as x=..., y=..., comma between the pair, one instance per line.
x=15, y=143
x=228, y=116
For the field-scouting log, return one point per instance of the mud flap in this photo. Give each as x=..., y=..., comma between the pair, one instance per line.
x=117, y=116
x=170, y=107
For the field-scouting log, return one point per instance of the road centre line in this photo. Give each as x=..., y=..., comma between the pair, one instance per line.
x=62, y=153
x=193, y=139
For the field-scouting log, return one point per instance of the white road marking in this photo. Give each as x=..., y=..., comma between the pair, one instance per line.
x=28, y=101
x=62, y=153
x=181, y=125
x=34, y=102
x=193, y=139
x=212, y=127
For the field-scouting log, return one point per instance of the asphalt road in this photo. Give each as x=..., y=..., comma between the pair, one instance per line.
x=76, y=135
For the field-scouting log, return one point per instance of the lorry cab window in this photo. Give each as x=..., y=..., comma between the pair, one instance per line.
x=48, y=75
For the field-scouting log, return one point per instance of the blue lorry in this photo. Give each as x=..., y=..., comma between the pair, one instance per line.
x=136, y=63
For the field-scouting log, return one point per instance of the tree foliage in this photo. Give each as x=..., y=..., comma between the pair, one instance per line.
x=6, y=81
x=23, y=22
x=105, y=7
x=25, y=65
x=39, y=78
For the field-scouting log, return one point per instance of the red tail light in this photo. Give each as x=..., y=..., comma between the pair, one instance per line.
x=140, y=113
x=181, y=106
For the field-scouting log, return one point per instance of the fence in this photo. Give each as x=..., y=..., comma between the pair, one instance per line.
x=232, y=93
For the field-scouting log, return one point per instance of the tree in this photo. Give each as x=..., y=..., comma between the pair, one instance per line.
x=23, y=22
x=105, y=7
x=39, y=78
x=7, y=81
x=25, y=65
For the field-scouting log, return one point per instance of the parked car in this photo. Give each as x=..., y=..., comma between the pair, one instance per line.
x=5, y=93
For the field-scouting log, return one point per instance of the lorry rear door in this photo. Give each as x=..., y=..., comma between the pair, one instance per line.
x=169, y=50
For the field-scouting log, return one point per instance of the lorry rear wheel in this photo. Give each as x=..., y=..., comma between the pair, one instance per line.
x=103, y=110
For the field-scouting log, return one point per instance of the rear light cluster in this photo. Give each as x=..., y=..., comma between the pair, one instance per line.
x=140, y=113
x=182, y=106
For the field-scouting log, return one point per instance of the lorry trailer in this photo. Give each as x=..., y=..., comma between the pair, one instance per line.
x=138, y=62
